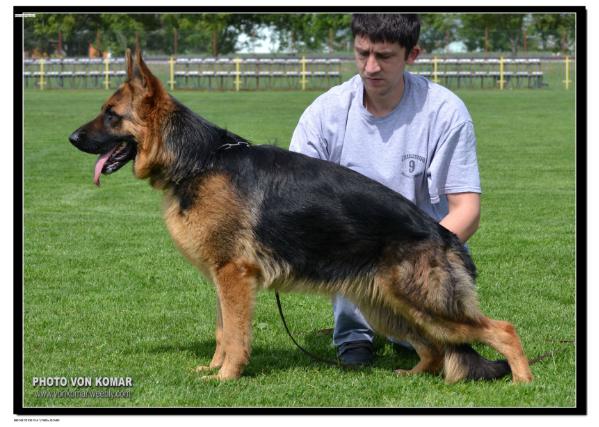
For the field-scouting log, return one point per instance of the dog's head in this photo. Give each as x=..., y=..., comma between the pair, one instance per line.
x=128, y=124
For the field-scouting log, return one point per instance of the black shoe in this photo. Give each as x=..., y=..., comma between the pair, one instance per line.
x=356, y=353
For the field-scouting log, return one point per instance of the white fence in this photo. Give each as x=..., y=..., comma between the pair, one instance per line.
x=276, y=73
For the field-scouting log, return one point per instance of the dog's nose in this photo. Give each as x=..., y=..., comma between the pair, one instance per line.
x=75, y=137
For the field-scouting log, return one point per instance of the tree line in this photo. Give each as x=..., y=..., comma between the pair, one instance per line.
x=219, y=33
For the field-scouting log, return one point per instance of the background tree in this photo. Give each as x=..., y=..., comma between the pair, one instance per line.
x=218, y=33
x=437, y=30
x=42, y=33
x=556, y=27
x=332, y=29
x=292, y=31
x=509, y=26
x=475, y=30
x=119, y=31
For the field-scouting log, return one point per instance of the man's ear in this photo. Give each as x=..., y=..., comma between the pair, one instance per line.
x=413, y=55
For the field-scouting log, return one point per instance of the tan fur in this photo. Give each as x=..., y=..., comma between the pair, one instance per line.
x=219, y=351
x=151, y=153
x=414, y=288
x=502, y=337
x=453, y=369
x=236, y=283
x=431, y=360
x=210, y=233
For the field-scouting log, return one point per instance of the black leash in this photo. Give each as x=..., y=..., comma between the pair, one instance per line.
x=551, y=353
x=312, y=355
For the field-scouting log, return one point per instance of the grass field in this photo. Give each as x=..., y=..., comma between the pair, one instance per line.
x=107, y=294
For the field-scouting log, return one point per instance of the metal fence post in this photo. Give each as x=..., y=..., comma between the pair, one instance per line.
x=171, y=82
x=106, y=73
x=501, y=81
x=567, y=81
x=303, y=61
x=42, y=83
x=237, y=73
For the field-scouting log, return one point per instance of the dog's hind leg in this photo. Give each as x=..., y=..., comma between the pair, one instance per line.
x=392, y=324
x=502, y=337
x=467, y=363
x=219, y=352
x=236, y=284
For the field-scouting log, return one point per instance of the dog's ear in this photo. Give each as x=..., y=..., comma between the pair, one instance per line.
x=140, y=76
x=129, y=62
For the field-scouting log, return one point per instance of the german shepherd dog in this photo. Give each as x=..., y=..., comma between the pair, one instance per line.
x=256, y=216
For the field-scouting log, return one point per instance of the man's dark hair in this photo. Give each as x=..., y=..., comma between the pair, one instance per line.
x=403, y=29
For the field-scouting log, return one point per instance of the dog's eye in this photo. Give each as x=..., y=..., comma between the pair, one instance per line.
x=111, y=117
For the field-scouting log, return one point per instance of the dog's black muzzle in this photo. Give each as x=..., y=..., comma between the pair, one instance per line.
x=81, y=140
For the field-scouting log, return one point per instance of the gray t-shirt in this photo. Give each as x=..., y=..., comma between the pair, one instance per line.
x=424, y=149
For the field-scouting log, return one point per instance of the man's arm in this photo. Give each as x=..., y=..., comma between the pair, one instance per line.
x=464, y=214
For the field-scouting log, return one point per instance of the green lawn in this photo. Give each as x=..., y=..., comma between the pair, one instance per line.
x=107, y=294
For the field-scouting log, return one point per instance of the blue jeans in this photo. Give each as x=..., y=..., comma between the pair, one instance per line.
x=350, y=324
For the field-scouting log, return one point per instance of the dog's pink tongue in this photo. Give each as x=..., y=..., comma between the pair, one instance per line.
x=100, y=164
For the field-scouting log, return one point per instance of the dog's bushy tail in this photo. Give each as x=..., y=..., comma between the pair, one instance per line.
x=462, y=362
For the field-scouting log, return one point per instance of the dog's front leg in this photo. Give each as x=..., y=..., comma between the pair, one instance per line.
x=236, y=287
x=219, y=352
x=431, y=358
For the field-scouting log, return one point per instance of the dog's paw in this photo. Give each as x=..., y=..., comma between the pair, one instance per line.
x=403, y=372
x=524, y=379
x=204, y=368
x=219, y=377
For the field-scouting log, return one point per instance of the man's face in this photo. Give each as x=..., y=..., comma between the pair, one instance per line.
x=381, y=65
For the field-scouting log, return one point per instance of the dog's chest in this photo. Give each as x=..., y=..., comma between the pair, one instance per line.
x=211, y=230
x=189, y=234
